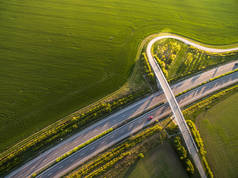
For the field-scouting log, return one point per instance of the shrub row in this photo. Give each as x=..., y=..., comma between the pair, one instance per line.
x=107, y=165
x=83, y=145
x=75, y=149
x=200, y=144
x=162, y=66
x=147, y=68
x=147, y=64
x=106, y=160
x=63, y=129
x=183, y=155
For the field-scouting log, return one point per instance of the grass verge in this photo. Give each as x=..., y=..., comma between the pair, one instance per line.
x=159, y=161
x=195, y=110
x=199, y=142
x=218, y=128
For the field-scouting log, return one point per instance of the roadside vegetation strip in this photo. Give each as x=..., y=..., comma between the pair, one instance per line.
x=111, y=157
x=210, y=80
x=75, y=149
x=63, y=129
x=183, y=155
x=147, y=70
x=198, y=139
x=148, y=67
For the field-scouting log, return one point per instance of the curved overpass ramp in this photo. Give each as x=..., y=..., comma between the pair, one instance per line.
x=192, y=148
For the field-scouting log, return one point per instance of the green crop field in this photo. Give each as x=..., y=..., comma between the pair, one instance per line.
x=162, y=161
x=57, y=56
x=218, y=127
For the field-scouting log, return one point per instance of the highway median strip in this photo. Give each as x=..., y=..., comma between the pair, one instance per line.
x=75, y=149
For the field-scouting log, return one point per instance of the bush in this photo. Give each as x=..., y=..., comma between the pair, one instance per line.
x=182, y=152
x=183, y=155
x=141, y=155
x=189, y=166
x=147, y=69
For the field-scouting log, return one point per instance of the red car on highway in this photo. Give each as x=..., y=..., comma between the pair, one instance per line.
x=149, y=118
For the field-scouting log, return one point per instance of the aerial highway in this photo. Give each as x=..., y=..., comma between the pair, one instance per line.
x=133, y=126
x=129, y=112
x=119, y=117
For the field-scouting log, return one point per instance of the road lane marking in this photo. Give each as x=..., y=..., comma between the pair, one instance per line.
x=49, y=173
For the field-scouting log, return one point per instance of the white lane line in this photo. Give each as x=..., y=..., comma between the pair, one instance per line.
x=49, y=174
x=71, y=160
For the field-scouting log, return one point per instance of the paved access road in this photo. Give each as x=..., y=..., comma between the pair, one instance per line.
x=135, y=125
x=187, y=136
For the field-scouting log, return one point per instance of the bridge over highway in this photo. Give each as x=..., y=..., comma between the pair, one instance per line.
x=187, y=136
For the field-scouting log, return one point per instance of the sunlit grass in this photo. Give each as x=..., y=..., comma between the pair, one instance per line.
x=218, y=127
x=59, y=55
